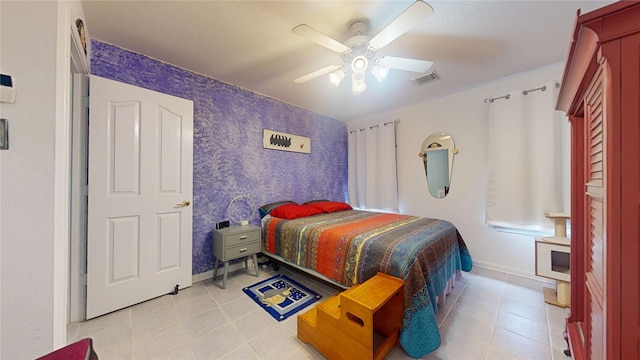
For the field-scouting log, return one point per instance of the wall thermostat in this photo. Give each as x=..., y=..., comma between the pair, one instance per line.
x=7, y=89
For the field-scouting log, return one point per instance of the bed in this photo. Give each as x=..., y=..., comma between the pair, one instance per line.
x=347, y=247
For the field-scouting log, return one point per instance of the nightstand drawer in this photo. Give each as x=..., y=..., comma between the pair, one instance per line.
x=241, y=250
x=243, y=237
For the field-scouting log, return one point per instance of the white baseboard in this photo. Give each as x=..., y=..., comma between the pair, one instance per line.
x=511, y=271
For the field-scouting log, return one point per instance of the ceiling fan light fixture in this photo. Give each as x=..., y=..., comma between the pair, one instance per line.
x=380, y=72
x=360, y=50
x=336, y=77
x=359, y=64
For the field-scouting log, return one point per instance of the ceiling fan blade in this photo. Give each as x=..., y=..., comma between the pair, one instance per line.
x=319, y=38
x=414, y=14
x=317, y=73
x=406, y=64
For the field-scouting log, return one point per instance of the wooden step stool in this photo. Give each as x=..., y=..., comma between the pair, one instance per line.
x=342, y=327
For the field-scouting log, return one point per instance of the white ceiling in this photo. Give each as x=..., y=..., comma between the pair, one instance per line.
x=250, y=44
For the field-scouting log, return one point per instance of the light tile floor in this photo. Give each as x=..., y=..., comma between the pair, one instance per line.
x=490, y=315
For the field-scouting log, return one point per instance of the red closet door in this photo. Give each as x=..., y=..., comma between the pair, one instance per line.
x=595, y=215
x=630, y=146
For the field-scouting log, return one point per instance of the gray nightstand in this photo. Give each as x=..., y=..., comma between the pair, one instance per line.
x=235, y=242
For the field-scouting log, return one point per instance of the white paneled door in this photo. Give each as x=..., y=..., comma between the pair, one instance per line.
x=140, y=189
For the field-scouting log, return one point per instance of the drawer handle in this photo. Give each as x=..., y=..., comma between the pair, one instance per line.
x=243, y=249
x=243, y=237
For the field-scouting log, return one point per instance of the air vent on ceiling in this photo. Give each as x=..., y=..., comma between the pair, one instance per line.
x=425, y=78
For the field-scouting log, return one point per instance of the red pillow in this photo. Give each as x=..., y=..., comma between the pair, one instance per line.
x=331, y=206
x=293, y=211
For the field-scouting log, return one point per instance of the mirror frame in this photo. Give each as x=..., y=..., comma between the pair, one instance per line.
x=438, y=141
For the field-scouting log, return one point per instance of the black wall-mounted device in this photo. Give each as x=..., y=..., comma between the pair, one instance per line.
x=7, y=89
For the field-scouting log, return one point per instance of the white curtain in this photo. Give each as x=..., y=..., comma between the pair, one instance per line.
x=526, y=143
x=373, y=183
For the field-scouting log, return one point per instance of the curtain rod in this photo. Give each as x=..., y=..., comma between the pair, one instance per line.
x=394, y=122
x=541, y=88
x=524, y=92
x=492, y=99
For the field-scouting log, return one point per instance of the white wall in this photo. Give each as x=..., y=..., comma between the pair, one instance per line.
x=29, y=54
x=461, y=115
x=34, y=221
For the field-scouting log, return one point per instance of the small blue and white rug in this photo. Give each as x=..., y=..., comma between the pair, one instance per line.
x=281, y=297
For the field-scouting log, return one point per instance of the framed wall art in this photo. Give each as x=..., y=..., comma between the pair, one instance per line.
x=277, y=140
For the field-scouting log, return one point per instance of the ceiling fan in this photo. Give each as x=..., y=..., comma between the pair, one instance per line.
x=359, y=53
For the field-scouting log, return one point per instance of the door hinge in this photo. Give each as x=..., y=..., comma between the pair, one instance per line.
x=85, y=190
x=83, y=279
x=85, y=101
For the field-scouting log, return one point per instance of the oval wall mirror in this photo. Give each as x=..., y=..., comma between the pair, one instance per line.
x=437, y=155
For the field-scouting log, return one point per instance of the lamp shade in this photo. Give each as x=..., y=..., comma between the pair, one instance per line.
x=380, y=72
x=336, y=77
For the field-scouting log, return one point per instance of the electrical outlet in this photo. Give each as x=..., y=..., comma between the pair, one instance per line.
x=222, y=224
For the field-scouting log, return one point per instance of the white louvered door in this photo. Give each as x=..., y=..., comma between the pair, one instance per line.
x=140, y=187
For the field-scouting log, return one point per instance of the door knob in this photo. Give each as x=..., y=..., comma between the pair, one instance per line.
x=184, y=203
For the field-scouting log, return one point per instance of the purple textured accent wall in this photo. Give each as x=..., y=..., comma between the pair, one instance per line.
x=228, y=157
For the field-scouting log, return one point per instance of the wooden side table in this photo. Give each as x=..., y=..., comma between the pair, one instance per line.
x=235, y=242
